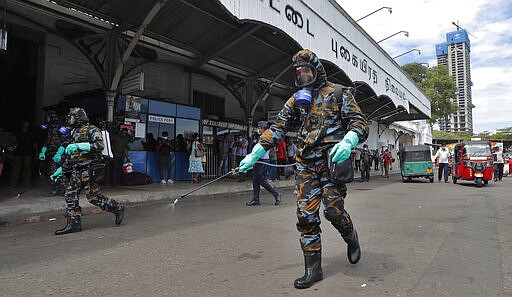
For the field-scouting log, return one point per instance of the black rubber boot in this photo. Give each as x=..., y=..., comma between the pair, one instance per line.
x=72, y=226
x=119, y=214
x=312, y=271
x=353, y=249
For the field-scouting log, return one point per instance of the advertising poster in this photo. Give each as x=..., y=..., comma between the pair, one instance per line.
x=132, y=109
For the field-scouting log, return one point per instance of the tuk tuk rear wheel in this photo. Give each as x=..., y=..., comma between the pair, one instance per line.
x=479, y=182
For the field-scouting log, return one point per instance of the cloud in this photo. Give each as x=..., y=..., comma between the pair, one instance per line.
x=428, y=21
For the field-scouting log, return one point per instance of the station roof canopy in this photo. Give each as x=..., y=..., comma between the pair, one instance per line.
x=204, y=34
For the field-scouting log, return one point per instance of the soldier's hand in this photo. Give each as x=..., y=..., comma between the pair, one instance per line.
x=342, y=150
x=42, y=153
x=83, y=146
x=58, y=173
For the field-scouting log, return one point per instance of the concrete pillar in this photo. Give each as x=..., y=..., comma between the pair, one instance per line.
x=111, y=96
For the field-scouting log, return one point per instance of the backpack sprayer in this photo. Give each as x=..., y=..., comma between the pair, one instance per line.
x=232, y=171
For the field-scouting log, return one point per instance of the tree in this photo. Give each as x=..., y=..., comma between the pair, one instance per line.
x=438, y=85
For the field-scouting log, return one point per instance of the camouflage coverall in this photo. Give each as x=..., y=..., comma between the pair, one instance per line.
x=81, y=164
x=54, y=140
x=320, y=128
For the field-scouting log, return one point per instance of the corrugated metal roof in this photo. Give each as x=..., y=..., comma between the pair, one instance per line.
x=201, y=26
x=207, y=29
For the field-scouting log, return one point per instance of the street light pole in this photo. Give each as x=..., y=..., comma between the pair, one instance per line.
x=405, y=33
x=413, y=50
x=384, y=7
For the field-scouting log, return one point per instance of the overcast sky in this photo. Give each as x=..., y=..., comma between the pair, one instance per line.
x=489, y=24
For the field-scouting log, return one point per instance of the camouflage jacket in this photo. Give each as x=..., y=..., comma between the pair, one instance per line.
x=320, y=128
x=92, y=135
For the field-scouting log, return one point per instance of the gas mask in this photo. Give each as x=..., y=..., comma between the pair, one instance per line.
x=71, y=120
x=304, y=76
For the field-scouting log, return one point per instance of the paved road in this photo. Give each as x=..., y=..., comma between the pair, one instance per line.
x=418, y=239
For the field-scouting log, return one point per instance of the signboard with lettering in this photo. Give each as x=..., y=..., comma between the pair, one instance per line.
x=133, y=83
x=232, y=126
x=322, y=27
x=160, y=119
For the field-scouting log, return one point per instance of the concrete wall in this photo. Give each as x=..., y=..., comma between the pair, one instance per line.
x=66, y=71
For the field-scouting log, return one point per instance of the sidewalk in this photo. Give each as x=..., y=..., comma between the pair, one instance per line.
x=36, y=200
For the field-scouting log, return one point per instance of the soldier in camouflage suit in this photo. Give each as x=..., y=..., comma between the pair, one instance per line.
x=320, y=129
x=83, y=160
x=54, y=148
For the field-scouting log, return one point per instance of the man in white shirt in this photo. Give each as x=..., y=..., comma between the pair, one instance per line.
x=442, y=159
x=498, y=162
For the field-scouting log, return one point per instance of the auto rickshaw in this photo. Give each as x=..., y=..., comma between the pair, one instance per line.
x=473, y=160
x=416, y=161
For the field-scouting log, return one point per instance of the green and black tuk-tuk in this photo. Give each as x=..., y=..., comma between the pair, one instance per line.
x=416, y=161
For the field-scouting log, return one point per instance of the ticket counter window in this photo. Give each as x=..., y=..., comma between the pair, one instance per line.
x=187, y=127
x=158, y=128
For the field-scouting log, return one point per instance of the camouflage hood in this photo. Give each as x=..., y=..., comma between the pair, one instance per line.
x=77, y=117
x=306, y=56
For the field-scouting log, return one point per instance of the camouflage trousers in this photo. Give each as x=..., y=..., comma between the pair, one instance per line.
x=314, y=188
x=81, y=180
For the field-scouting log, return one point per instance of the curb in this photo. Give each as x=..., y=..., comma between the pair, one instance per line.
x=32, y=210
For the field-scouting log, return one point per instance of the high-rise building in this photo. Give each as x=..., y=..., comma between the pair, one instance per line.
x=454, y=53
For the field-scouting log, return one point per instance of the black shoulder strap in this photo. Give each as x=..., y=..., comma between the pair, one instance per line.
x=338, y=95
x=338, y=92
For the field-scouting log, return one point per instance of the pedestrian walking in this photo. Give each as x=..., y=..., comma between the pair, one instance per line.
x=498, y=163
x=23, y=156
x=259, y=176
x=119, y=142
x=386, y=157
x=281, y=157
x=366, y=163
x=164, y=149
x=224, y=149
x=376, y=159
x=442, y=160
x=197, y=152
x=240, y=150
x=331, y=121
x=273, y=174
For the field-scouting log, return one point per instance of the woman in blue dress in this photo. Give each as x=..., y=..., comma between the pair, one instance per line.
x=195, y=167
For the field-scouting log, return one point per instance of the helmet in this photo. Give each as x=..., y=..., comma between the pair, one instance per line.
x=76, y=116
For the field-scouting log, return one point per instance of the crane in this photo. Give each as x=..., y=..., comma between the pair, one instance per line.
x=460, y=28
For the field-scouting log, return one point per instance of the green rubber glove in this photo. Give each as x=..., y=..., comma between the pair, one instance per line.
x=83, y=146
x=43, y=153
x=58, y=155
x=257, y=152
x=342, y=150
x=58, y=173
